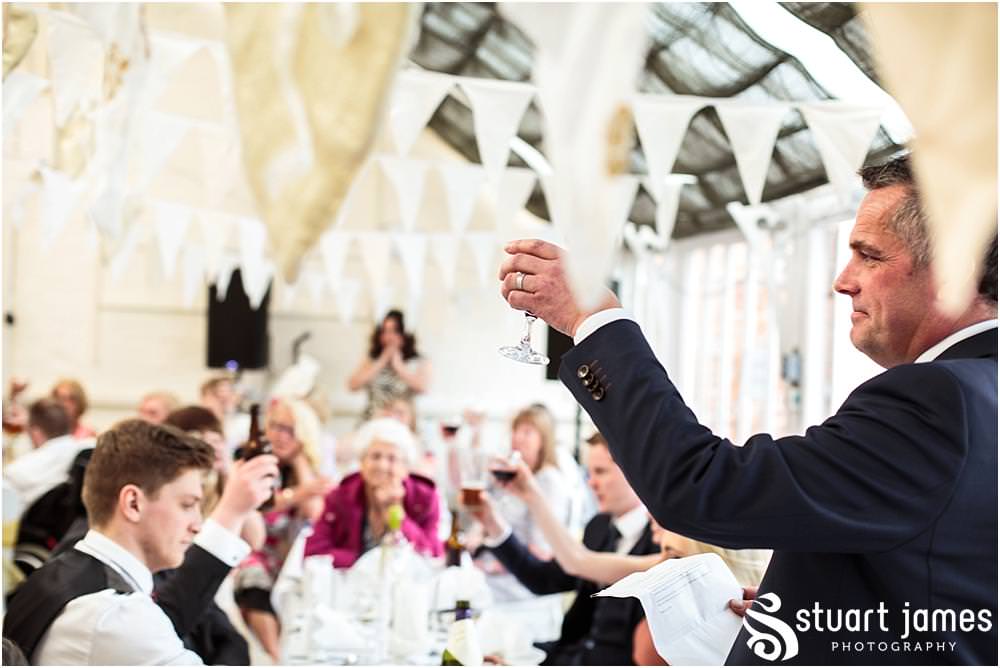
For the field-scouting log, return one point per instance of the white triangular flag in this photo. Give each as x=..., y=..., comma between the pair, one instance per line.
x=662, y=121
x=843, y=133
x=416, y=96
x=444, y=248
x=119, y=263
x=594, y=243
x=166, y=54
x=412, y=249
x=462, y=183
x=333, y=248
x=375, y=250
x=170, y=224
x=216, y=229
x=752, y=131
x=20, y=89
x=59, y=199
x=193, y=272
x=227, y=265
x=407, y=177
x=256, y=278
x=512, y=194
x=76, y=64
x=347, y=299
x=162, y=133
x=747, y=219
x=484, y=247
x=497, y=109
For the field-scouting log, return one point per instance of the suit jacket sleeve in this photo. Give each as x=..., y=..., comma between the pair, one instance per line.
x=540, y=577
x=189, y=590
x=869, y=478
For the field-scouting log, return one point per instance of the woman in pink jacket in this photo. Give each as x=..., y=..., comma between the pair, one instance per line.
x=354, y=514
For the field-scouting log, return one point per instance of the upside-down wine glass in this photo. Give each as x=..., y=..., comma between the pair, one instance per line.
x=523, y=351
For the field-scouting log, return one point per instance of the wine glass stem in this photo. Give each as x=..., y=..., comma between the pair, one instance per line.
x=526, y=339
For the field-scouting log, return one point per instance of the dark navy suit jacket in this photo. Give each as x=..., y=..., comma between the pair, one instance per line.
x=892, y=500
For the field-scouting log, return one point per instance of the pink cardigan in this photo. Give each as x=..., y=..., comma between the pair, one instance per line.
x=338, y=530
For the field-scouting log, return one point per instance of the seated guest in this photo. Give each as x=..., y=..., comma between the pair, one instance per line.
x=576, y=559
x=70, y=394
x=92, y=605
x=353, y=518
x=293, y=431
x=595, y=631
x=533, y=438
x=56, y=515
x=156, y=406
x=36, y=472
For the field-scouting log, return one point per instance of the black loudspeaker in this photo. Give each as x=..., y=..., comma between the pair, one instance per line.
x=237, y=334
x=557, y=345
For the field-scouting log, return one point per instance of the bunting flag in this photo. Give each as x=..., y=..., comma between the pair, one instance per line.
x=595, y=243
x=662, y=121
x=76, y=65
x=752, y=130
x=667, y=196
x=375, y=251
x=253, y=239
x=162, y=134
x=170, y=225
x=444, y=248
x=484, y=247
x=20, y=90
x=462, y=183
x=216, y=230
x=748, y=219
x=257, y=281
x=381, y=301
x=60, y=195
x=513, y=192
x=412, y=251
x=347, y=299
x=166, y=53
x=119, y=262
x=192, y=273
x=407, y=177
x=497, y=109
x=227, y=265
x=416, y=97
x=843, y=133
x=333, y=249
x=641, y=239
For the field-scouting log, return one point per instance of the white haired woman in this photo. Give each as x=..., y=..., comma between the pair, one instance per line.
x=354, y=515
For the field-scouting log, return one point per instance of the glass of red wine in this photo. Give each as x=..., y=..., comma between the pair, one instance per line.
x=504, y=471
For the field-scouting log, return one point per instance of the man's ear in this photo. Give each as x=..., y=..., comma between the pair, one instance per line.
x=131, y=502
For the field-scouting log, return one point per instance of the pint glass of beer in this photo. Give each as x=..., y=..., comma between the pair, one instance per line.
x=473, y=466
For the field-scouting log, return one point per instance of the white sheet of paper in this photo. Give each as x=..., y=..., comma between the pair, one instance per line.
x=686, y=603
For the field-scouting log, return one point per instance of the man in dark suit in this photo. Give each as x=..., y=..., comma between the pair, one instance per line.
x=890, y=504
x=595, y=631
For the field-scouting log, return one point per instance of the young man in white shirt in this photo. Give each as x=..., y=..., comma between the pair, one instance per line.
x=143, y=492
x=53, y=449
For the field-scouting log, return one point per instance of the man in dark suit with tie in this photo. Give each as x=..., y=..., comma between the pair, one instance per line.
x=890, y=504
x=595, y=631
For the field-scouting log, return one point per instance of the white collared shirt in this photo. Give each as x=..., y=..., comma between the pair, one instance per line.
x=108, y=628
x=935, y=351
x=39, y=470
x=630, y=526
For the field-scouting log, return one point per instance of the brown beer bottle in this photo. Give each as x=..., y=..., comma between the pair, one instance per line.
x=257, y=444
x=453, y=548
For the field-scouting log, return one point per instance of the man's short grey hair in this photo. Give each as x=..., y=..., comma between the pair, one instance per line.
x=909, y=220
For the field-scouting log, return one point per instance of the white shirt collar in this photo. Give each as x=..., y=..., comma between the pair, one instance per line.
x=127, y=564
x=630, y=526
x=934, y=351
